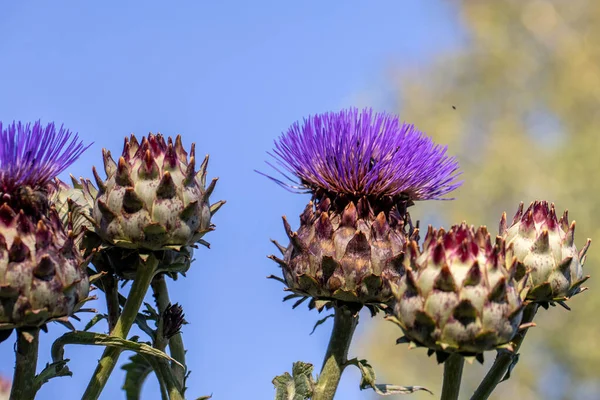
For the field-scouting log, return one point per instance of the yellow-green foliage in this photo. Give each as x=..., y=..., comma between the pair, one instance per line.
x=526, y=88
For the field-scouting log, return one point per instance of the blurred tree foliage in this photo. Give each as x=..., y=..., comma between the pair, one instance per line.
x=525, y=125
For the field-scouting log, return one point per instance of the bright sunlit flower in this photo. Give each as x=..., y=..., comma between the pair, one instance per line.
x=363, y=169
x=41, y=272
x=33, y=155
x=362, y=153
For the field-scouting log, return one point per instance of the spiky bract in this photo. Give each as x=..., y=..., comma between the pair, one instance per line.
x=74, y=205
x=41, y=272
x=546, y=246
x=459, y=294
x=153, y=198
x=352, y=256
x=358, y=154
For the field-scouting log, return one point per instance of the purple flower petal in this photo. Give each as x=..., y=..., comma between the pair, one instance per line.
x=33, y=155
x=361, y=153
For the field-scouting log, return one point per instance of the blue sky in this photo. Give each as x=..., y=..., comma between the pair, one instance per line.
x=230, y=76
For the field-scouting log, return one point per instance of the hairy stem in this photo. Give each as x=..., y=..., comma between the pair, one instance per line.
x=344, y=324
x=453, y=368
x=109, y=359
x=504, y=359
x=23, y=387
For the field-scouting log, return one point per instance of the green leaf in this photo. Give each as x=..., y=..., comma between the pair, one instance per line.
x=137, y=370
x=319, y=322
x=95, y=319
x=54, y=370
x=298, y=386
x=368, y=381
x=150, y=312
x=513, y=363
x=100, y=339
x=141, y=321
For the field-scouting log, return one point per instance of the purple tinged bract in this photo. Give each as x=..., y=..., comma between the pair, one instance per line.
x=33, y=155
x=362, y=153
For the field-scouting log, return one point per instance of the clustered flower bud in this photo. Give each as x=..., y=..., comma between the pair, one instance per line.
x=351, y=256
x=173, y=319
x=460, y=293
x=363, y=171
x=546, y=247
x=153, y=198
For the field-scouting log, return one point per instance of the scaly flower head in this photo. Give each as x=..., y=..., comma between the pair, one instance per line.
x=153, y=198
x=546, y=247
x=41, y=272
x=363, y=169
x=460, y=293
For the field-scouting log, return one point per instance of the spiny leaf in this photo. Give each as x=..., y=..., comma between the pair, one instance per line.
x=150, y=312
x=99, y=339
x=320, y=322
x=513, y=363
x=137, y=370
x=297, y=303
x=67, y=324
x=368, y=381
x=141, y=321
x=276, y=278
x=386, y=390
x=54, y=370
x=298, y=386
x=95, y=319
x=291, y=296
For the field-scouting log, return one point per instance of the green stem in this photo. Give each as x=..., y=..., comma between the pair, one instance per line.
x=453, y=368
x=505, y=359
x=109, y=359
x=161, y=296
x=344, y=324
x=23, y=387
x=111, y=291
x=172, y=388
x=165, y=377
x=176, y=348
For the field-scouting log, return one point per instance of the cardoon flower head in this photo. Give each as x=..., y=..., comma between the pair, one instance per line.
x=545, y=245
x=31, y=156
x=461, y=292
x=41, y=274
x=363, y=169
x=358, y=154
x=153, y=197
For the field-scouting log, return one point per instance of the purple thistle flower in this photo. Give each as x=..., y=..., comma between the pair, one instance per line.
x=32, y=155
x=361, y=153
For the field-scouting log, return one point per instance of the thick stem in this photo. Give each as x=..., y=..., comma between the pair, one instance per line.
x=113, y=307
x=504, y=359
x=161, y=296
x=109, y=359
x=172, y=388
x=453, y=368
x=176, y=348
x=344, y=324
x=23, y=387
